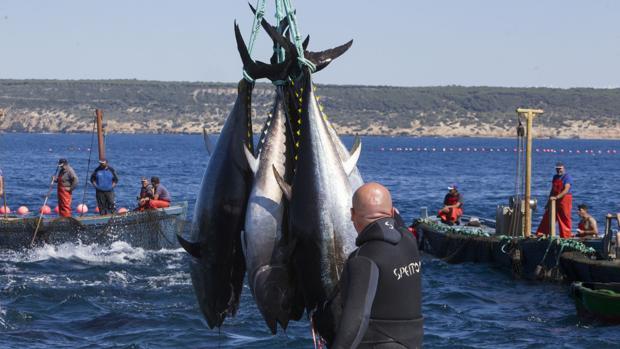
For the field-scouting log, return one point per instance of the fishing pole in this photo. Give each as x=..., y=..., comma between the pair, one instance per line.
x=49, y=191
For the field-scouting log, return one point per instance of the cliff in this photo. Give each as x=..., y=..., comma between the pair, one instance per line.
x=133, y=106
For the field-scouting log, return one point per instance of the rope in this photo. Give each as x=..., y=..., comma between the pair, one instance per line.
x=297, y=38
x=92, y=138
x=258, y=17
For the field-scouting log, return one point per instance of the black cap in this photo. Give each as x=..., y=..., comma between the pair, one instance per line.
x=62, y=161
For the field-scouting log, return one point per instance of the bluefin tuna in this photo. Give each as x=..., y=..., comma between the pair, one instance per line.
x=320, y=201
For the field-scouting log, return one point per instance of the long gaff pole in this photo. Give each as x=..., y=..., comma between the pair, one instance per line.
x=4, y=200
x=49, y=191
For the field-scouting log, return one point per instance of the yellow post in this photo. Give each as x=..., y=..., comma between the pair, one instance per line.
x=552, y=217
x=529, y=115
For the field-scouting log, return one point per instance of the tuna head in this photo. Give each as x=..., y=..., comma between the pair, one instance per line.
x=320, y=201
x=218, y=267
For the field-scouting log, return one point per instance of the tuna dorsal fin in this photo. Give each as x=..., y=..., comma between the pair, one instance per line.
x=193, y=248
x=350, y=163
x=252, y=161
x=286, y=188
x=208, y=143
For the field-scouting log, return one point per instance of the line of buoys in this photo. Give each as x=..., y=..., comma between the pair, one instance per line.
x=500, y=150
x=23, y=210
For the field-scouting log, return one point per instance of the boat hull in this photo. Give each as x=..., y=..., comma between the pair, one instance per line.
x=150, y=229
x=531, y=259
x=599, y=301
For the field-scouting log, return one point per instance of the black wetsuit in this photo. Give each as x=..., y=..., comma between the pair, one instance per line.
x=381, y=291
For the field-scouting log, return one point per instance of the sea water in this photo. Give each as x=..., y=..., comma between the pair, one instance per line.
x=120, y=296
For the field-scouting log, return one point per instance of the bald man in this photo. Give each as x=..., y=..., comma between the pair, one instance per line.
x=381, y=282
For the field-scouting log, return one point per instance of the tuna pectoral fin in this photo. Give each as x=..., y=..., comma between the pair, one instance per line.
x=208, y=143
x=286, y=188
x=350, y=163
x=193, y=248
x=252, y=161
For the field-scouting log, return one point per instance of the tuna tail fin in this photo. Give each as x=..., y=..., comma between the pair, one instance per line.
x=208, y=142
x=323, y=58
x=286, y=188
x=258, y=70
x=351, y=162
x=193, y=248
x=252, y=161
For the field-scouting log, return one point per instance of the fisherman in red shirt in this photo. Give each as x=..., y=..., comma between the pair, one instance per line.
x=453, y=206
x=561, y=192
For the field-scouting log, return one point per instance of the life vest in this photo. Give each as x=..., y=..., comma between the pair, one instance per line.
x=451, y=199
x=557, y=185
x=104, y=180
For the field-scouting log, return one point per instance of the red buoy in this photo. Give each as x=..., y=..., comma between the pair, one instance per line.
x=45, y=209
x=122, y=210
x=22, y=210
x=82, y=208
x=97, y=209
x=56, y=209
x=2, y=211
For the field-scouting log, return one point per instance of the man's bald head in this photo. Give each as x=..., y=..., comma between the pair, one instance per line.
x=371, y=201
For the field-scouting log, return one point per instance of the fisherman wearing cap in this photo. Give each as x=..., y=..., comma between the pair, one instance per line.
x=561, y=193
x=146, y=193
x=67, y=181
x=104, y=180
x=452, y=206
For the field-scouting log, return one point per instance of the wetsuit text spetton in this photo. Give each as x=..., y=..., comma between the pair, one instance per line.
x=381, y=291
x=377, y=303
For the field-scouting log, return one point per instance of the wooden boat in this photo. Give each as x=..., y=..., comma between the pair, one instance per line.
x=599, y=301
x=149, y=229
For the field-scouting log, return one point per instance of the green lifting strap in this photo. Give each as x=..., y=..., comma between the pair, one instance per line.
x=258, y=17
x=297, y=39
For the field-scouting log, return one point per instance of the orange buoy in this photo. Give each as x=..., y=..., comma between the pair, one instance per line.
x=2, y=211
x=56, y=209
x=122, y=210
x=22, y=210
x=97, y=209
x=82, y=208
x=45, y=209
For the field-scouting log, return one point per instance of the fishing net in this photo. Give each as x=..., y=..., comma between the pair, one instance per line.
x=150, y=229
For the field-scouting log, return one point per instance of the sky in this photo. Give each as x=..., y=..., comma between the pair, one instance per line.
x=550, y=43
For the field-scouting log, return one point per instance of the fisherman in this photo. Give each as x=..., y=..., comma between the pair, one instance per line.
x=452, y=206
x=67, y=181
x=146, y=193
x=104, y=180
x=380, y=289
x=561, y=193
x=161, y=196
x=587, y=227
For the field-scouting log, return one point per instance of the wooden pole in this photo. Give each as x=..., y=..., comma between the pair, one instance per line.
x=529, y=115
x=100, y=141
x=552, y=217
